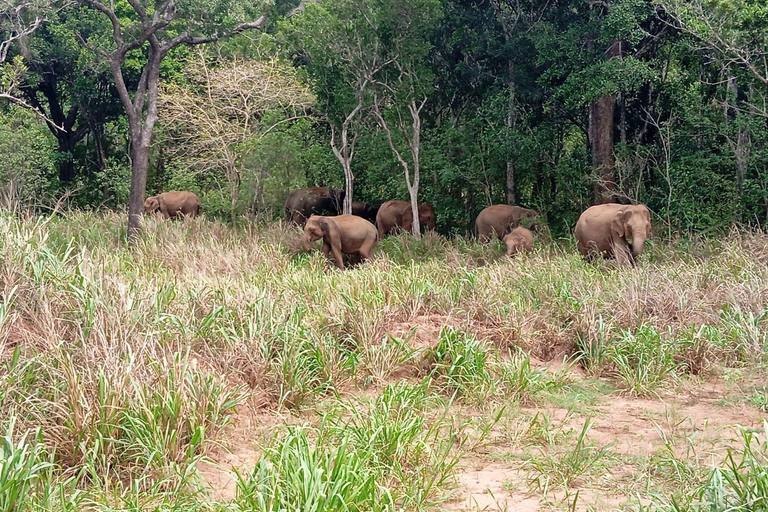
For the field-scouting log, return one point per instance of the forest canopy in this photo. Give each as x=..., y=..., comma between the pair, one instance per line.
x=553, y=105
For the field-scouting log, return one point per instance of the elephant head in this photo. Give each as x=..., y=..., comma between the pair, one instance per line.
x=427, y=216
x=633, y=225
x=317, y=227
x=528, y=218
x=152, y=204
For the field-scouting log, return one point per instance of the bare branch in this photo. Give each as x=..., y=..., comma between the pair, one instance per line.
x=26, y=105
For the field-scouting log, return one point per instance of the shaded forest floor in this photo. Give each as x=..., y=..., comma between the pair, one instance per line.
x=207, y=369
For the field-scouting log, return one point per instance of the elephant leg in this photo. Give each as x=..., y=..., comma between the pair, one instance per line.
x=590, y=252
x=338, y=257
x=366, y=250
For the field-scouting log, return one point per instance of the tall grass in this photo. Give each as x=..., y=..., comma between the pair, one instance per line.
x=132, y=362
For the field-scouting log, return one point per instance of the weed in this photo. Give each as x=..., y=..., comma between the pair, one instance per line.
x=562, y=469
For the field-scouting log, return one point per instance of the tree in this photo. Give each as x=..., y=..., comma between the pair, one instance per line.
x=403, y=87
x=222, y=112
x=65, y=84
x=517, y=18
x=735, y=31
x=19, y=19
x=337, y=42
x=153, y=29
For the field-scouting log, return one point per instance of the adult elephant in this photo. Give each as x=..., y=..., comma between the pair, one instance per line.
x=365, y=210
x=176, y=203
x=613, y=230
x=398, y=215
x=499, y=219
x=305, y=202
x=347, y=234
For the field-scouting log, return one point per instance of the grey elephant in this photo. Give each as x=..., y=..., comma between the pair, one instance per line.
x=341, y=234
x=305, y=202
x=398, y=215
x=499, y=219
x=613, y=230
x=518, y=240
x=172, y=204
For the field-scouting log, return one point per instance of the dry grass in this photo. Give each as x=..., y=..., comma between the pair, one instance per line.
x=131, y=361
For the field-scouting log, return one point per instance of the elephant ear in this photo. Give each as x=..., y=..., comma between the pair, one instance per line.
x=618, y=225
x=329, y=228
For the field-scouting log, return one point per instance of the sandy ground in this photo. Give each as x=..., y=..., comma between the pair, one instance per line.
x=495, y=477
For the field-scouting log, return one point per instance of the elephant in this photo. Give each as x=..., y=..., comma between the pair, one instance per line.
x=304, y=202
x=499, y=219
x=613, y=230
x=396, y=214
x=348, y=234
x=518, y=240
x=177, y=203
x=365, y=210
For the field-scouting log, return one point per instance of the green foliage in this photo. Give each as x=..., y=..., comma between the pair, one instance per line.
x=28, y=168
x=507, y=91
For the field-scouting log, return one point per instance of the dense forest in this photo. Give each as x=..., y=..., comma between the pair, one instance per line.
x=549, y=104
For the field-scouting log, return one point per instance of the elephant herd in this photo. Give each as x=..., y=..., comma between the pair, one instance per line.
x=608, y=230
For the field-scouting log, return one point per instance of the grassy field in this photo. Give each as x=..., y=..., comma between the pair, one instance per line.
x=212, y=370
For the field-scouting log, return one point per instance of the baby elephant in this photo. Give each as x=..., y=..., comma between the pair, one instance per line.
x=518, y=240
x=348, y=234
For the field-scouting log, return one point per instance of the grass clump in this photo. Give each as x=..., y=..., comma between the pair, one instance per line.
x=644, y=361
x=460, y=365
x=560, y=465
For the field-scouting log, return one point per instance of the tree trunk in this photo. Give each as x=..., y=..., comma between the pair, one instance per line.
x=66, y=163
x=601, y=126
x=344, y=155
x=415, y=147
x=416, y=226
x=139, y=166
x=349, y=180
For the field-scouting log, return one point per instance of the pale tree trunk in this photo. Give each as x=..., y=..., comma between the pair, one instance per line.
x=234, y=191
x=413, y=136
x=601, y=139
x=346, y=151
x=415, y=144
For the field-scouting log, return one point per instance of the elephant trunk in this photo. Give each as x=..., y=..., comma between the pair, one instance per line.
x=637, y=245
x=305, y=241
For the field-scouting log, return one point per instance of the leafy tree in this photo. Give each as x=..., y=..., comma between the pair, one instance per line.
x=65, y=84
x=153, y=29
x=220, y=114
x=28, y=166
x=336, y=40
